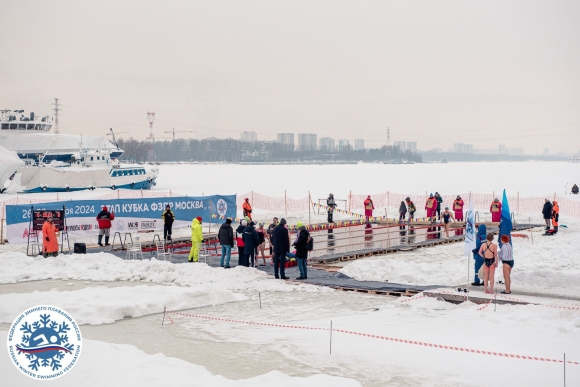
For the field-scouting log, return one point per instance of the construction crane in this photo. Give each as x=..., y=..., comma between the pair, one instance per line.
x=112, y=134
x=173, y=131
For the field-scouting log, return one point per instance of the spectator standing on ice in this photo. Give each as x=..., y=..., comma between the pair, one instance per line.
x=247, y=208
x=369, y=207
x=447, y=217
x=506, y=255
x=104, y=219
x=226, y=238
x=547, y=212
x=439, y=201
x=555, y=216
x=281, y=240
x=495, y=210
x=488, y=251
x=168, y=218
x=431, y=207
x=240, y=242
x=301, y=245
x=402, y=211
x=575, y=189
x=262, y=245
x=49, y=239
x=479, y=239
x=251, y=241
x=331, y=204
x=269, y=232
x=196, y=239
x=458, y=208
x=411, y=207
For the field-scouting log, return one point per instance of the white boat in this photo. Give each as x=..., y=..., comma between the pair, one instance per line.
x=87, y=170
x=29, y=137
x=9, y=165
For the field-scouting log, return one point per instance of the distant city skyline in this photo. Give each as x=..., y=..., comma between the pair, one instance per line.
x=502, y=73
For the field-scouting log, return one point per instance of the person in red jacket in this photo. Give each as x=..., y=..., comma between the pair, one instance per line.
x=369, y=207
x=431, y=207
x=104, y=218
x=458, y=208
x=495, y=210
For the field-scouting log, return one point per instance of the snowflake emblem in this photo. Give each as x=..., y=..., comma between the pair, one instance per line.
x=49, y=345
x=222, y=207
x=45, y=343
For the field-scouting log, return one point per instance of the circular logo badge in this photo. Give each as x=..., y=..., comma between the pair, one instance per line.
x=222, y=207
x=44, y=342
x=120, y=225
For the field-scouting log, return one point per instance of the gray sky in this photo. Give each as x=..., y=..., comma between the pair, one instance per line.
x=435, y=72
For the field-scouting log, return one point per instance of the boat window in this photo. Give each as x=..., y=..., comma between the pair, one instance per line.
x=98, y=157
x=48, y=127
x=43, y=126
x=92, y=158
x=5, y=126
x=37, y=126
x=13, y=126
x=30, y=127
x=21, y=126
x=142, y=171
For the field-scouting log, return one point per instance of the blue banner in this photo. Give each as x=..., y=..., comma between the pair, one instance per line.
x=131, y=215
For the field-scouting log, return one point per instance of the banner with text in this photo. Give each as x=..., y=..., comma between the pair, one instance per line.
x=131, y=215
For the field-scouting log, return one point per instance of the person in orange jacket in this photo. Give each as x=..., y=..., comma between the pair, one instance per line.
x=247, y=208
x=431, y=207
x=49, y=239
x=555, y=216
x=495, y=210
x=369, y=207
x=458, y=208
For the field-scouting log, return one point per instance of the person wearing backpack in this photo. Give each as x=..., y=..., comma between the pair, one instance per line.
x=303, y=244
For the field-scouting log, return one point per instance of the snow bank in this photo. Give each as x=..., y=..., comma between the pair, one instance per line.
x=17, y=267
x=106, y=364
x=100, y=305
x=548, y=265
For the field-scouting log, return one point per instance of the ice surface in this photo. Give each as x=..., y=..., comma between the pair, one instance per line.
x=106, y=364
x=98, y=305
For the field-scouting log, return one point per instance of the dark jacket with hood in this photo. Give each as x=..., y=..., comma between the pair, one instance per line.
x=479, y=239
x=280, y=239
x=403, y=209
x=547, y=210
x=301, y=243
x=251, y=238
x=226, y=235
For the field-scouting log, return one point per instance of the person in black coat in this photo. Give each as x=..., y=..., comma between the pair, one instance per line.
x=402, y=211
x=226, y=238
x=302, y=251
x=547, y=212
x=281, y=241
x=251, y=241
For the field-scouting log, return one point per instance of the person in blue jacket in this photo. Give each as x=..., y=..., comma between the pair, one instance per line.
x=251, y=242
x=479, y=239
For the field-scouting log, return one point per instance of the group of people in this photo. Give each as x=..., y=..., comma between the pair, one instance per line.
x=487, y=255
x=551, y=214
x=251, y=241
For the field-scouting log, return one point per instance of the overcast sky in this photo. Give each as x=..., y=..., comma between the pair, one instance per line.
x=435, y=72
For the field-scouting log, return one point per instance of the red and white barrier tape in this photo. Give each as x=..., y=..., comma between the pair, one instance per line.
x=404, y=341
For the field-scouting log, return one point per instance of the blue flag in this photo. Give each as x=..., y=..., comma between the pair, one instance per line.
x=505, y=226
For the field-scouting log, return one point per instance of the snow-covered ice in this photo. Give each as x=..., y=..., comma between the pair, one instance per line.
x=258, y=355
x=107, y=364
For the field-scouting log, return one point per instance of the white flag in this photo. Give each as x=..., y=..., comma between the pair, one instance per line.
x=469, y=231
